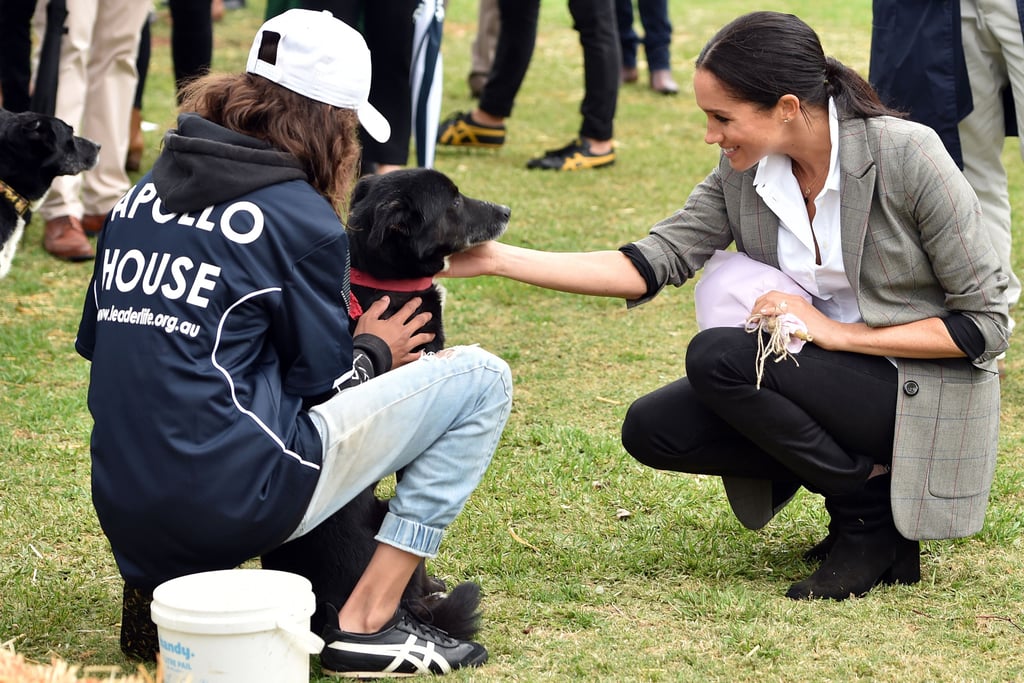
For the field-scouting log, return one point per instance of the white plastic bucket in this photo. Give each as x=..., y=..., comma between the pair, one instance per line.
x=234, y=626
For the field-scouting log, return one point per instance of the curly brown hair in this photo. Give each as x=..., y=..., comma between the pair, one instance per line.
x=323, y=138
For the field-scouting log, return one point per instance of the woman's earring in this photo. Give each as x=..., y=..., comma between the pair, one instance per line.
x=786, y=120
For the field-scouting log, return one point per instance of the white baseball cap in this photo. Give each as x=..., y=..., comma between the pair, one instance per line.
x=322, y=58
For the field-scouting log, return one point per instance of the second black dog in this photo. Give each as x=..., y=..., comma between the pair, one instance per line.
x=34, y=149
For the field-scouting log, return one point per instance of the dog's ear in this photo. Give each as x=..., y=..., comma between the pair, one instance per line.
x=33, y=127
x=393, y=215
x=36, y=132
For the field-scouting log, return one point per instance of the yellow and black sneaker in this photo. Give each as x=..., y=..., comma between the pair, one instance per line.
x=460, y=130
x=575, y=156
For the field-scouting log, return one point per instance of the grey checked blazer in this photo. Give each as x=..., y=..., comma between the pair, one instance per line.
x=913, y=248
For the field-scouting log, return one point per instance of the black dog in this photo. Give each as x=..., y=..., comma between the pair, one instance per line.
x=34, y=149
x=402, y=228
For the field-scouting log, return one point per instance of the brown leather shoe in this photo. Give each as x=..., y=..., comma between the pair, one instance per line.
x=136, y=143
x=630, y=74
x=92, y=223
x=662, y=81
x=65, y=239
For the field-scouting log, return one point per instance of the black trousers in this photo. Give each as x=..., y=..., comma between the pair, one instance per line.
x=823, y=423
x=15, y=53
x=512, y=53
x=191, y=39
x=594, y=20
x=191, y=45
x=387, y=26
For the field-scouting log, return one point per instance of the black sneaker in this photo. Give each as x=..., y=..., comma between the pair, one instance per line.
x=404, y=647
x=575, y=156
x=460, y=130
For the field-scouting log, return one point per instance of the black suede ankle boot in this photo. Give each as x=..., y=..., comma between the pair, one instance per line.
x=820, y=550
x=867, y=549
x=138, y=632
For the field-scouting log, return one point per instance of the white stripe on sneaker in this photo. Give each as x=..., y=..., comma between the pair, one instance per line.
x=420, y=656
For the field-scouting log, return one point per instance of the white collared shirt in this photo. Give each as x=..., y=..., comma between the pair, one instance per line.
x=778, y=187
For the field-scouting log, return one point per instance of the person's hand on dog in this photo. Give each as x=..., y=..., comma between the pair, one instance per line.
x=477, y=260
x=400, y=332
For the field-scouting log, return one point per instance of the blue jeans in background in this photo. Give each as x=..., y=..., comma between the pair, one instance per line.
x=657, y=32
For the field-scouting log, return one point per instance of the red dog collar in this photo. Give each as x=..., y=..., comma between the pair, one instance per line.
x=358, y=277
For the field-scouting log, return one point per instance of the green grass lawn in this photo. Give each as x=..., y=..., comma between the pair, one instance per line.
x=594, y=568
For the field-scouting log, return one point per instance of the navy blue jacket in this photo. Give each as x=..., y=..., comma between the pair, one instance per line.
x=918, y=66
x=218, y=305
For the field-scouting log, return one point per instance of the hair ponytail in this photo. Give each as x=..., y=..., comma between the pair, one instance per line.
x=854, y=96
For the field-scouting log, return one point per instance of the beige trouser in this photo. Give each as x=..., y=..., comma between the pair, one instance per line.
x=994, y=50
x=95, y=91
x=488, y=24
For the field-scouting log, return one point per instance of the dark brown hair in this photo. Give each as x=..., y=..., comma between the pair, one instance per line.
x=761, y=56
x=323, y=138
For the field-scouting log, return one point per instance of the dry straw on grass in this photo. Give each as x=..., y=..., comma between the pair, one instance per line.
x=16, y=669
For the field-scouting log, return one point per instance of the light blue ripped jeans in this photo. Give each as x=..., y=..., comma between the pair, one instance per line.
x=439, y=418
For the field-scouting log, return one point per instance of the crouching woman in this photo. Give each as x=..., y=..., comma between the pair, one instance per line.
x=892, y=413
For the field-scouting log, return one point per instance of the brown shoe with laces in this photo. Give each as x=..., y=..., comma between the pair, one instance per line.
x=137, y=143
x=92, y=223
x=64, y=238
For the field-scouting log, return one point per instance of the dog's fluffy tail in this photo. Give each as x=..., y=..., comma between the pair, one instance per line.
x=457, y=612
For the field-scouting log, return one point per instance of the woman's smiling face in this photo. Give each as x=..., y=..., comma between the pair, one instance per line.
x=744, y=131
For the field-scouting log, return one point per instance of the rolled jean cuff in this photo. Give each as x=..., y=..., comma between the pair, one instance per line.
x=411, y=537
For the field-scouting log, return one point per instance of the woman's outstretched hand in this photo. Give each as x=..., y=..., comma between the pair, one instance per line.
x=478, y=260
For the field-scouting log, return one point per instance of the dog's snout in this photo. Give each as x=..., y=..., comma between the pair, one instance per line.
x=499, y=211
